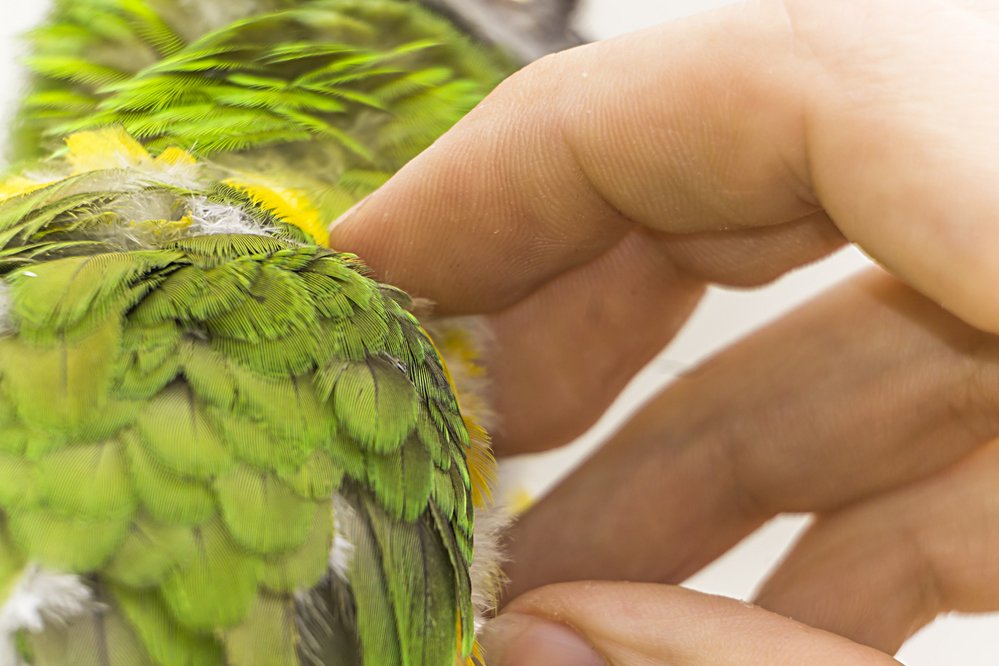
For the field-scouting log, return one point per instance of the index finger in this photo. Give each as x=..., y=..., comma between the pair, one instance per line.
x=751, y=116
x=630, y=624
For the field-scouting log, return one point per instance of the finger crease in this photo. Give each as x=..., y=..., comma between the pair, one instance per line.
x=931, y=598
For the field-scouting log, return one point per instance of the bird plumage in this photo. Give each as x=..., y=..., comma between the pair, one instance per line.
x=183, y=397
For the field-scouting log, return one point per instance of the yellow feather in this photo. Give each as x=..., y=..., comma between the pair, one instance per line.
x=481, y=464
x=461, y=348
x=292, y=206
x=519, y=501
x=474, y=659
x=108, y=148
x=173, y=156
x=18, y=185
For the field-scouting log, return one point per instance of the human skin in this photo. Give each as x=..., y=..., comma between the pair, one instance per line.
x=592, y=198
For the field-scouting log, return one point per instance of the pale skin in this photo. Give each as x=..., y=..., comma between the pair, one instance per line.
x=584, y=207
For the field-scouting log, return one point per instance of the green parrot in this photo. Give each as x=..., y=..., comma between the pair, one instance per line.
x=221, y=441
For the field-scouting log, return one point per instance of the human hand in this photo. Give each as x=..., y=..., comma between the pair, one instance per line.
x=592, y=197
x=869, y=407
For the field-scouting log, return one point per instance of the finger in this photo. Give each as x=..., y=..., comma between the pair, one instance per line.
x=556, y=363
x=568, y=155
x=559, y=358
x=750, y=116
x=848, y=396
x=879, y=571
x=593, y=624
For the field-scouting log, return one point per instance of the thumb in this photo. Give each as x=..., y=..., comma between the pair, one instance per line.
x=627, y=624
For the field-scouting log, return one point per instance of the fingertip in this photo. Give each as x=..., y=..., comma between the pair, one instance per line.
x=639, y=623
x=516, y=639
x=984, y=319
x=959, y=278
x=975, y=298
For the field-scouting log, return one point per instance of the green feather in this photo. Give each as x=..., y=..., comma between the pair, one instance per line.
x=268, y=636
x=303, y=567
x=149, y=552
x=291, y=353
x=347, y=454
x=377, y=630
x=151, y=27
x=101, y=639
x=417, y=605
x=149, y=361
x=90, y=481
x=462, y=579
x=11, y=561
x=167, y=641
x=63, y=387
x=74, y=70
x=65, y=543
x=250, y=441
x=217, y=587
x=317, y=478
x=273, y=306
x=73, y=296
x=402, y=480
x=377, y=404
x=209, y=375
x=261, y=513
x=442, y=492
x=17, y=481
x=291, y=409
x=166, y=495
x=175, y=431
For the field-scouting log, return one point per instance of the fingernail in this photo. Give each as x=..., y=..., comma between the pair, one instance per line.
x=514, y=639
x=349, y=213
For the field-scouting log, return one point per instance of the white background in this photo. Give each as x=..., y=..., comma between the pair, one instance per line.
x=723, y=317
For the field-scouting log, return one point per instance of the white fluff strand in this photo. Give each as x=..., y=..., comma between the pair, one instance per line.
x=40, y=597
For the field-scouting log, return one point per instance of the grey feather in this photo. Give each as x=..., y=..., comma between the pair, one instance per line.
x=525, y=29
x=325, y=620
